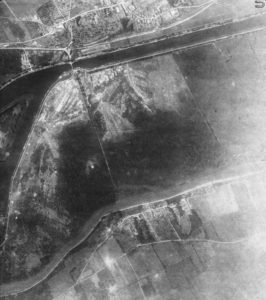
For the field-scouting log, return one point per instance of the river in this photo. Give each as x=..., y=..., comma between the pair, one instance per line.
x=37, y=84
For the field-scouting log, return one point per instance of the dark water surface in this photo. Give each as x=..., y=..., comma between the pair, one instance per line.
x=36, y=86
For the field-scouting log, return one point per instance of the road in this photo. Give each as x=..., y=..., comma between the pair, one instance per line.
x=189, y=40
x=22, y=286
x=120, y=53
x=193, y=39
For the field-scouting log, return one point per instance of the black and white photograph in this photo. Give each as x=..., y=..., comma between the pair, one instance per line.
x=132, y=149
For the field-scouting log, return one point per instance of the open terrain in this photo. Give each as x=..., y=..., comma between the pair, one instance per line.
x=140, y=176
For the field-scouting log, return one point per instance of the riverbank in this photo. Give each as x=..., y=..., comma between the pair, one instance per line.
x=122, y=203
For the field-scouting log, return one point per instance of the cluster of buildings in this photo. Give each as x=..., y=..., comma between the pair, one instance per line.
x=107, y=22
x=96, y=25
x=167, y=249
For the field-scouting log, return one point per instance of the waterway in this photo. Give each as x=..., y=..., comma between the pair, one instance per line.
x=37, y=84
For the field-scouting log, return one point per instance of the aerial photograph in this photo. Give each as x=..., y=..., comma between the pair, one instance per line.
x=132, y=150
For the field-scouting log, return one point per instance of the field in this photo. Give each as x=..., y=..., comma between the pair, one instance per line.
x=130, y=254
x=151, y=125
x=117, y=140
x=86, y=125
